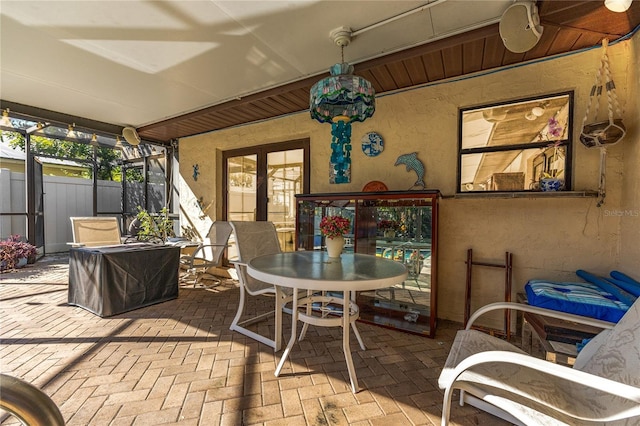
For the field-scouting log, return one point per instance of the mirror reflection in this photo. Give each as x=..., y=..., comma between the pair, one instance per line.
x=512, y=146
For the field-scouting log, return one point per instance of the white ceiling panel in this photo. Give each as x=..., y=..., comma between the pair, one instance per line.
x=137, y=62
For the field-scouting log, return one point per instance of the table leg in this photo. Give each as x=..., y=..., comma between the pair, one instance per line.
x=353, y=324
x=345, y=342
x=305, y=326
x=277, y=340
x=292, y=339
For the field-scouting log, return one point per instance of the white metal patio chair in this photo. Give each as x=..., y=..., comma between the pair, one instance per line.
x=254, y=239
x=208, y=254
x=603, y=387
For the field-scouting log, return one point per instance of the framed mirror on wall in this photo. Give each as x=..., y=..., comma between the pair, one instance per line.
x=513, y=146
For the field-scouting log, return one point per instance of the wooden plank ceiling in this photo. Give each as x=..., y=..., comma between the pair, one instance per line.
x=568, y=26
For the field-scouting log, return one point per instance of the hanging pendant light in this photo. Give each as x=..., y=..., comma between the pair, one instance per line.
x=71, y=133
x=5, y=122
x=118, y=144
x=341, y=99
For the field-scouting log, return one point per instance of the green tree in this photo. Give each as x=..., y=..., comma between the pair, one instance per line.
x=107, y=159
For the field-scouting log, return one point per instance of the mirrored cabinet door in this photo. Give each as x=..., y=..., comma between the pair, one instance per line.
x=401, y=226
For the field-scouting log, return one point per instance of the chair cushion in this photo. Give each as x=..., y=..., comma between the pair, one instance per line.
x=524, y=393
x=618, y=357
x=493, y=382
x=470, y=342
x=510, y=386
x=584, y=299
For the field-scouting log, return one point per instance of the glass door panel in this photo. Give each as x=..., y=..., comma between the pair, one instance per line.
x=284, y=180
x=242, y=179
x=261, y=182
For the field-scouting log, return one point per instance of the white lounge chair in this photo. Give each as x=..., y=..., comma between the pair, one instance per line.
x=603, y=387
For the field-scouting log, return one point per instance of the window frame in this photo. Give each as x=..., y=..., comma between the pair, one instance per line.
x=261, y=152
x=566, y=142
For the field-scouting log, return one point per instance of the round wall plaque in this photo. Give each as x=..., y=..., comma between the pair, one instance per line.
x=375, y=186
x=372, y=144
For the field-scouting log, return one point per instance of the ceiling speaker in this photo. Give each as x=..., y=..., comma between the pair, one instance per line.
x=131, y=135
x=520, y=27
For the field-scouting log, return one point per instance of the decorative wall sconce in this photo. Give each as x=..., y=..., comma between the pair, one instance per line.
x=203, y=209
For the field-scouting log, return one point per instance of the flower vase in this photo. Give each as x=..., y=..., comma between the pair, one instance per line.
x=334, y=246
x=389, y=234
x=550, y=184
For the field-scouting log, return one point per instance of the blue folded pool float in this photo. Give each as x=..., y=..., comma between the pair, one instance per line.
x=626, y=282
x=608, y=286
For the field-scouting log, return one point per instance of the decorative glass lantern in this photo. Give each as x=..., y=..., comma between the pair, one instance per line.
x=341, y=99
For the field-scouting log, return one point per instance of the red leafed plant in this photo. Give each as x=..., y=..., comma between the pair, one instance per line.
x=334, y=226
x=12, y=250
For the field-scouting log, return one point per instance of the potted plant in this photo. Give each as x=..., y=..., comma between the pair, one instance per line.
x=154, y=228
x=333, y=228
x=15, y=253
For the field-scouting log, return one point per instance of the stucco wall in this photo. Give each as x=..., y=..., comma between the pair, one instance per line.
x=549, y=237
x=630, y=204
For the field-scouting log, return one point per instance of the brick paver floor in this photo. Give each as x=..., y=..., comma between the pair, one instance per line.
x=177, y=363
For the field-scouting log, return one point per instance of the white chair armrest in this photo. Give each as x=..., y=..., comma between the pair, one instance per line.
x=201, y=247
x=540, y=311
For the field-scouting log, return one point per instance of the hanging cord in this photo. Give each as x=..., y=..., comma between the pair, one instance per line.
x=596, y=90
x=603, y=150
x=603, y=164
x=612, y=98
x=594, y=139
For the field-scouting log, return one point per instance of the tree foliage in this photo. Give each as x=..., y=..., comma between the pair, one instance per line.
x=107, y=159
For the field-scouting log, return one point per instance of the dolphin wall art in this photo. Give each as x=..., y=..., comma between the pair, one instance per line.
x=412, y=163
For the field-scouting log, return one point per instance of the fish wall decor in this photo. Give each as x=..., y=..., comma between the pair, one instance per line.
x=412, y=163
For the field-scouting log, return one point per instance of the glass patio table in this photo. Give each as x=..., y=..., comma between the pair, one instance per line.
x=329, y=282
